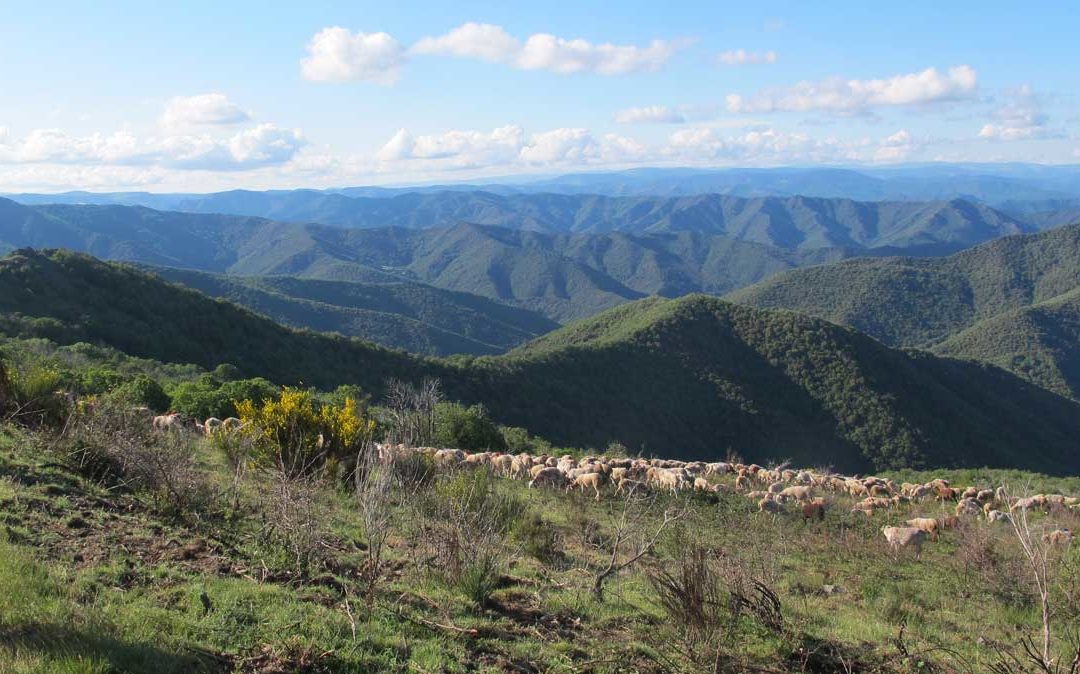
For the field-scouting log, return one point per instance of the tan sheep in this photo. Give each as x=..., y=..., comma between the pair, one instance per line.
x=548, y=476
x=1060, y=537
x=904, y=537
x=997, y=516
x=769, y=505
x=593, y=480
x=927, y=524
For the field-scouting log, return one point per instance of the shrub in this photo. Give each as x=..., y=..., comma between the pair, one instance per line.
x=143, y=391
x=479, y=578
x=467, y=428
x=36, y=388
x=98, y=380
x=6, y=396
x=538, y=538
x=299, y=436
x=109, y=442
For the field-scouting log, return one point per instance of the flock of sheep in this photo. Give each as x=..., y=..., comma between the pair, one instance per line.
x=771, y=489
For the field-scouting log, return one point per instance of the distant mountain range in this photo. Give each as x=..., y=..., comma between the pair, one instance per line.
x=1013, y=187
x=802, y=223
x=1011, y=301
x=695, y=376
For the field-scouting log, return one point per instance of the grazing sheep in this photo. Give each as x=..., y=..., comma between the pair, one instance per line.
x=927, y=524
x=903, y=537
x=1060, y=537
x=232, y=424
x=797, y=493
x=594, y=480
x=166, y=422
x=948, y=522
x=997, y=516
x=814, y=510
x=630, y=487
x=548, y=476
x=212, y=425
x=968, y=506
x=769, y=505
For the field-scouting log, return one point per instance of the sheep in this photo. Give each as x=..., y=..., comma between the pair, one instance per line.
x=232, y=424
x=903, y=537
x=701, y=484
x=1060, y=537
x=814, y=510
x=630, y=487
x=550, y=476
x=503, y=464
x=212, y=425
x=985, y=496
x=166, y=422
x=797, y=493
x=594, y=480
x=769, y=505
x=968, y=506
x=997, y=516
x=927, y=524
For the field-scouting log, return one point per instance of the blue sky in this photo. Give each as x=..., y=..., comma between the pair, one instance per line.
x=207, y=96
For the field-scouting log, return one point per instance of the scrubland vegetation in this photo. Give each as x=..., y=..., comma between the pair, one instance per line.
x=129, y=549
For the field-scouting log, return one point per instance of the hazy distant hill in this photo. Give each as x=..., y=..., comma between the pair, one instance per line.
x=795, y=222
x=563, y=276
x=695, y=376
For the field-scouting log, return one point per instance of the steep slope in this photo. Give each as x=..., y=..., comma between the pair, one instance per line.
x=412, y=316
x=694, y=377
x=906, y=301
x=69, y=297
x=1041, y=343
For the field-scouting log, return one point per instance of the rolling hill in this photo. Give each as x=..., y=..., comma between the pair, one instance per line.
x=913, y=302
x=412, y=316
x=563, y=276
x=1040, y=342
x=695, y=376
x=790, y=222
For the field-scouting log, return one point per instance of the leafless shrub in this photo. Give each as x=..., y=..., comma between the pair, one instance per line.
x=636, y=528
x=293, y=521
x=374, y=499
x=690, y=591
x=411, y=410
x=113, y=443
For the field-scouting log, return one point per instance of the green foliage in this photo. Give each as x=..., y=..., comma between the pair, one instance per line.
x=479, y=578
x=208, y=397
x=143, y=391
x=98, y=380
x=469, y=428
x=299, y=436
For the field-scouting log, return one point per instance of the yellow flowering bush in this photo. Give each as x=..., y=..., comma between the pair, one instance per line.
x=299, y=435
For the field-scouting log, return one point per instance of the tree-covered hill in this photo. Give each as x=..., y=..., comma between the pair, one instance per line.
x=695, y=376
x=1040, y=342
x=400, y=314
x=909, y=301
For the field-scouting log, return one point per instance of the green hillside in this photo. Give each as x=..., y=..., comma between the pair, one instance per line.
x=1040, y=342
x=910, y=302
x=412, y=316
x=693, y=377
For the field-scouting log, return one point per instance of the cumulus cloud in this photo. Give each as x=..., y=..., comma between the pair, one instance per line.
x=337, y=55
x=508, y=146
x=856, y=96
x=652, y=114
x=896, y=147
x=707, y=145
x=263, y=145
x=739, y=57
x=1019, y=118
x=202, y=110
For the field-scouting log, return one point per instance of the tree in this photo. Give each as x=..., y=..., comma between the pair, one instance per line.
x=636, y=530
x=467, y=428
x=143, y=391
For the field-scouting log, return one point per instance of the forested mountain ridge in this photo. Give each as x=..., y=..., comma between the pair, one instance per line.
x=695, y=376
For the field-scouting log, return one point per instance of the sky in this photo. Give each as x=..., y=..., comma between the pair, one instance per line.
x=205, y=96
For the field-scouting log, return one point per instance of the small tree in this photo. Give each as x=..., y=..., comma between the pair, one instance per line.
x=412, y=411
x=467, y=428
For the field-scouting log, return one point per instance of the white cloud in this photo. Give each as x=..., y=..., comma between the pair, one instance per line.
x=855, y=96
x=202, y=110
x=337, y=55
x=896, y=147
x=1020, y=118
x=652, y=114
x=263, y=145
x=705, y=145
x=547, y=52
x=738, y=57
x=483, y=41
